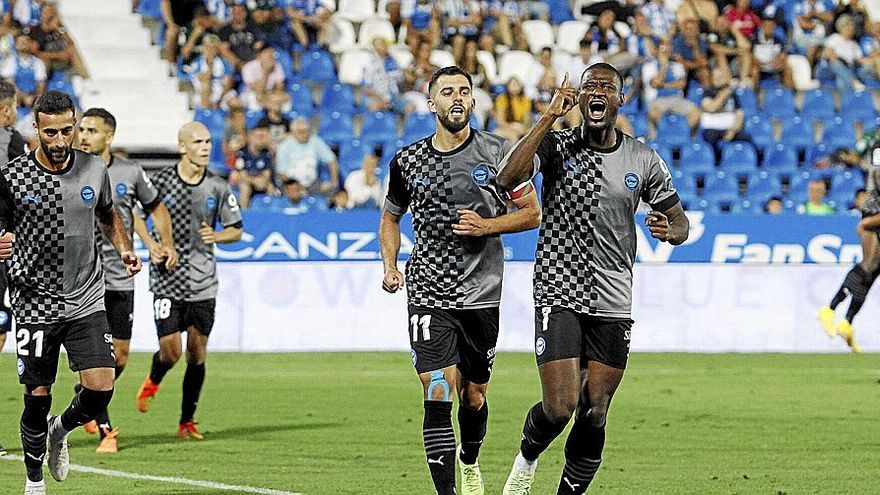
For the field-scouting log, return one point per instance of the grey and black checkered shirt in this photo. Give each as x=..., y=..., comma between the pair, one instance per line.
x=445, y=270
x=587, y=241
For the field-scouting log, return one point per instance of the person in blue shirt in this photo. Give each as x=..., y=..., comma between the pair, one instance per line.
x=422, y=21
x=692, y=51
x=254, y=165
x=308, y=20
x=25, y=70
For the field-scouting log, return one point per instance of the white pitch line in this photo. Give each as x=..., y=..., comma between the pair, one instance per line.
x=165, y=479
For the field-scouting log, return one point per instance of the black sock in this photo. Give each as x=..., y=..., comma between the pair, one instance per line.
x=858, y=284
x=439, y=440
x=192, y=388
x=852, y=280
x=119, y=370
x=538, y=433
x=159, y=369
x=583, y=454
x=85, y=406
x=34, y=429
x=103, y=420
x=472, y=426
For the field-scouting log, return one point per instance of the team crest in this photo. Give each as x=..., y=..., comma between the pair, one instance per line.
x=481, y=175
x=4, y=317
x=540, y=346
x=87, y=194
x=121, y=189
x=168, y=200
x=415, y=357
x=631, y=181
x=211, y=203
x=20, y=367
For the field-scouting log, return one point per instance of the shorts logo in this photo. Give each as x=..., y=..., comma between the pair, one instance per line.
x=108, y=338
x=540, y=346
x=631, y=181
x=415, y=357
x=210, y=204
x=20, y=367
x=121, y=189
x=87, y=194
x=4, y=317
x=481, y=175
x=626, y=335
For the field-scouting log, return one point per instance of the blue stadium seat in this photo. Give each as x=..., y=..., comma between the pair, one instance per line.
x=685, y=183
x=721, y=187
x=474, y=122
x=417, y=126
x=738, y=158
x=301, y=98
x=213, y=118
x=780, y=159
x=560, y=11
x=336, y=127
x=844, y=185
x=663, y=150
x=673, y=130
x=816, y=153
x=797, y=132
x=697, y=157
x=379, y=127
x=838, y=133
x=760, y=130
x=351, y=155
x=286, y=62
x=746, y=100
x=818, y=105
x=639, y=122
x=317, y=65
x=150, y=8
x=388, y=150
x=338, y=97
x=747, y=206
x=797, y=186
x=695, y=93
x=251, y=117
x=859, y=105
x=763, y=186
x=779, y=103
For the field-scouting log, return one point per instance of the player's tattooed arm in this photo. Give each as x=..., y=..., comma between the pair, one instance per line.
x=114, y=229
x=525, y=216
x=389, y=245
x=670, y=226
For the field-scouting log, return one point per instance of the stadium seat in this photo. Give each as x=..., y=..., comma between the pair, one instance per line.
x=213, y=118
x=673, y=130
x=747, y=206
x=695, y=95
x=779, y=103
x=746, y=100
x=379, y=127
x=738, y=158
x=374, y=27
x=802, y=73
x=515, y=63
x=336, y=127
x=345, y=36
x=317, y=65
x=721, y=187
x=639, y=122
x=351, y=155
x=685, y=183
x=338, y=98
x=401, y=55
x=845, y=183
x=442, y=58
x=301, y=98
x=838, y=133
x=859, y=105
x=355, y=10
x=488, y=61
x=560, y=11
x=818, y=105
x=663, y=150
x=539, y=34
x=817, y=152
x=797, y=188
x=251, y=117
x=388, y=150
x=780, y=159
x=697, y=157
x=417, y=126
x=352, y=64
x=760, y=130
x=797, y=132
x=570, y=35
x=763, y=186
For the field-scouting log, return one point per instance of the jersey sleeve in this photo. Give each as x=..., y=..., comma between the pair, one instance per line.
x=230, y=212
x=397, y=200
x=7, y=206
x=105, y=197
x=659, y=192
x=146, y=191
x=547, y=158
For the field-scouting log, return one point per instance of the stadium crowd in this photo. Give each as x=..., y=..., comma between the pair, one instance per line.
x=762, y=105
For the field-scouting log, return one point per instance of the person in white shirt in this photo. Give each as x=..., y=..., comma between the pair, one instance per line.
x=261, y=76
x=842, y=58
x=364, y=186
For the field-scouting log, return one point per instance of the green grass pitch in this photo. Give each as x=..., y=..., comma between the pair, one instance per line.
x=333, y=424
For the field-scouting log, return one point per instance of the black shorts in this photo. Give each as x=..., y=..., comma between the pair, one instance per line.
x=444, y=337
x=174, y=316
x=87, y=340
x=561, y=333
x=120, y=312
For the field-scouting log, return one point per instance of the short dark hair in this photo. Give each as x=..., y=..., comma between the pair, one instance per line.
x=109, y=119
x=452, y=70
x=53, y=103
x=7, y=90
x=584, y=43
x=604, y=66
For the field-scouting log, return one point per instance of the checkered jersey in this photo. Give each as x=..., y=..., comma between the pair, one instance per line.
x=55, y=272
x=210, y=201
x=448, y=271
x=587, y=240
x=130, y=186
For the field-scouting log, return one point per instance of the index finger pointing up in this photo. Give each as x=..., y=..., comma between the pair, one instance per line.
x=566, y=83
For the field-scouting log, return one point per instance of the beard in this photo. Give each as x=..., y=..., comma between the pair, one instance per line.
x=56, y=155
x=451, y=125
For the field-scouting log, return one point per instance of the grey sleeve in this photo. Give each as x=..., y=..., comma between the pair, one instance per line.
x=105, y=196
x=145, y=190
x=397, y=200
x=230, y=213
x=659, y=192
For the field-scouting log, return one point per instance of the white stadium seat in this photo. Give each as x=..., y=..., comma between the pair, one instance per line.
x=801, y=73
x=352, y=64
x=401, y=55
x=538, y=34
x=488, y=61
x=515, y=63
x=356, y=10
x=623, y=29
x=442, y=58
x=382, y=9
x=570, y=35
x=343, y=35
x=373, y=27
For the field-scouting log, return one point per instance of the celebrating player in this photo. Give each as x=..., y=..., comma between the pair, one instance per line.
x=594, y=177
x=184, y=297
x=130, y=185
x=49, y=201
x=454, y=272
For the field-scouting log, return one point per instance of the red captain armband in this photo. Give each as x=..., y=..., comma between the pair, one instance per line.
x=522, y=190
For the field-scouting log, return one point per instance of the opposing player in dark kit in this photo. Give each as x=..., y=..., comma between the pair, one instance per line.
x=50, y=200
x=454, y=272
x=594, y=178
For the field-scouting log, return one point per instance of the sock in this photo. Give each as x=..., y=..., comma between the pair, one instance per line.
x=103, y=420
x=85, y=406
x=853, y=279
x=583, y=454
x=859, y=285
x=34, y=429
x=119, y=370
x=440, y=445
x=159, y=369
x=472, y=426
x=192, y=388
x=538, y=433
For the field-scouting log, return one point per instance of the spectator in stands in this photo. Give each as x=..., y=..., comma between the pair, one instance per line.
x=270, y=26
x=382, y=78
x=300, y=155
x=274, y=119
x=585, y=58
x=774, y=206
x=260, y=76
x=178, y=16
x=660, y=19
x=212, y=76
x=769, y=52
x=221, y=10
x=253, y=166
x=202, y=24
x=731, y=51
x=543, y=70
x=364, y=186
x=239, y=42
x=513, y=111
x=870, y=44
x=816, y=204
x=640, y=44
x=25, y=71
x=608, y=43
x=692, y=52
x=462, y=21
x=422, y=21
x=502, y=23
x=842, y=59
x=808, y=30
x=703, y=11
x=471, y=64
x=339, y=200
x=856, y=10
x=297, y=201
x=742, y=18
x=309, y=20
x=720, y=119
x=858, y=200
x=664, y=81
x=418, y=74
x=56, y=48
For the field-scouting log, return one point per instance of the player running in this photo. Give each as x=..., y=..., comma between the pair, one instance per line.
x=184, y=297
x=49, y=202
x=130, y=186
x=455, y=269
x=594, y=178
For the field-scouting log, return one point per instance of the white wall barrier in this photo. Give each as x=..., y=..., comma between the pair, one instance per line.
x=290, y=306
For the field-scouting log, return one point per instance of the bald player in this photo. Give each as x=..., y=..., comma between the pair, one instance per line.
x=183, y=298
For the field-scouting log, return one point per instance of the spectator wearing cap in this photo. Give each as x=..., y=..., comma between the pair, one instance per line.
x=253, y=165
x=260, y=76
x=309, y=20
x=664, y=81
x=212, y=75
x=770, y=53
x=300, y=157
x=364, y=185
x=816, y=204
x=842, y=59
x=692, y=51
